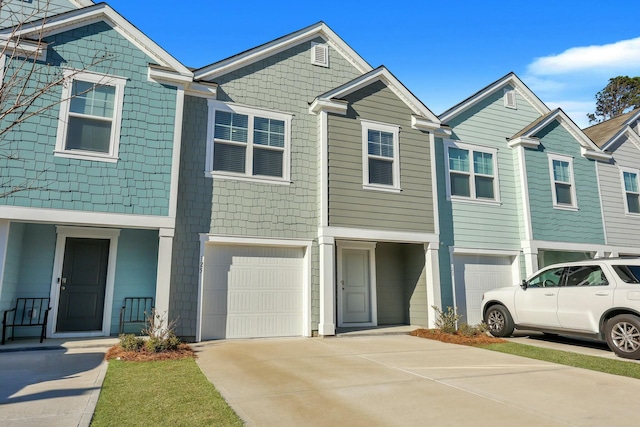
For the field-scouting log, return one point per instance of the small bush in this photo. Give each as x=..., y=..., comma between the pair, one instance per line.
x=161, y=333
x=130, y=342
x=472, y=330
x=446, y=322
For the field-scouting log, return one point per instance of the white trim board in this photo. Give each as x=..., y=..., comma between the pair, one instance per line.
x=377, y=235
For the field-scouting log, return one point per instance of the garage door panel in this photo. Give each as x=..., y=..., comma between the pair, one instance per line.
x=262, y=291
x=476, y=274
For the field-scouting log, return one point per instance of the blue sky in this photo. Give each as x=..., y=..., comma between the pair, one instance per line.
x=443, y=51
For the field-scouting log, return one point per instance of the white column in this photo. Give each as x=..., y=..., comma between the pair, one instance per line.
x=4, y=241
x=530, y=259
x=163, y=280
x=432, y=275
x=327, y=324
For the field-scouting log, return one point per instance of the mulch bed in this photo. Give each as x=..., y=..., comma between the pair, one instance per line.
x=437, y=334
x=116, y=352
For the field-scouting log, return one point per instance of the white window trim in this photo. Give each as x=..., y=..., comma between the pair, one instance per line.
x=252, y=112
x=449, y=143
x=383, y=127
x=574, y=199
x=114, y=144
x=314, y=58
x=624, y=190
x=506, y=93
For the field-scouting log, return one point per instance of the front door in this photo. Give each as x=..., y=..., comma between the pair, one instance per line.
x=82, y=285
x=356, y=286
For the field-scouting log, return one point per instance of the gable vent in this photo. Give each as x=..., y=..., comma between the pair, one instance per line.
x=320, y=54
x=510, y=98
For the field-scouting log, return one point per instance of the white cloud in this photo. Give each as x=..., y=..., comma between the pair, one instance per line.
x=577, y=110
x=622, y=55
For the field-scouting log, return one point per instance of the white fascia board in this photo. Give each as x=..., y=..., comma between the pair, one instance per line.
x=511, y=79
x=167, y=76
x=254, y=241
x=383, y=74
x=456, y=250
x=595, y=155
x=525, y=142
x=24, y=48
x=96, y=13
x=377, y=235
x=423, y=123
x=209, y=91
x=330, y=106
x=627, y=132
x=62, y=216
x=82, y=3
x=276, y=46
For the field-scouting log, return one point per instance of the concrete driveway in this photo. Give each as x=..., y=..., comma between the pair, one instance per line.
x=401, y=380
x=50, y=387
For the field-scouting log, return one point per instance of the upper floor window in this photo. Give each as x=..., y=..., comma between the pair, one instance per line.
x=381, y=160
x=90, y=116
x=472, y=172
x=248, y=143
x=630, y=188
x=562, y=182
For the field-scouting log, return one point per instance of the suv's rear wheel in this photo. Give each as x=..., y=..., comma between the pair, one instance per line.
x=623, y=335
x=499, y=321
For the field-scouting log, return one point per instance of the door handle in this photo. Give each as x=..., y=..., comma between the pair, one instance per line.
x=602, y=294
x=342, y=283
x=549, y=294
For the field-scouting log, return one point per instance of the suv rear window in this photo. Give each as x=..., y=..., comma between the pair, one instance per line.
x=628, y=273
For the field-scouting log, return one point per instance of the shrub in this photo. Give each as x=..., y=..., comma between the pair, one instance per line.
x=472, y=330
x=446, y=322
x=161, y=333
x=130, y=342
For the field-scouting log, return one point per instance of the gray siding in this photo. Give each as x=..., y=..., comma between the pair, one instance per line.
x=352, y=206
x=284, y=82
x=621, y=228
x=14, y=12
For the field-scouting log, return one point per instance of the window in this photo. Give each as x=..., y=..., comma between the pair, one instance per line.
x=630, y=189
x=562, y=185
x=586, y=275
x=248, y=143
x=90, y=116
x=381, y=163
x=628, y=273
x=472, y=172
x=551, y=278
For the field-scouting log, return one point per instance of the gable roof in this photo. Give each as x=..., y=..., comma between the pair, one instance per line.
x=250, y=56
x=527, y=136
x=100, y=12
x=605, y=133
x=509, y=79
x=422, y=118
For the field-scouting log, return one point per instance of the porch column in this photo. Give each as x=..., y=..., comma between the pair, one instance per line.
x=4, y=241
x=432, y=276
x=530, y=260
x=327, y=324
x=163, y=280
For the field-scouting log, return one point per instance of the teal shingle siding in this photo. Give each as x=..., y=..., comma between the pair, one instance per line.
x=556, y=224
x=139, y=182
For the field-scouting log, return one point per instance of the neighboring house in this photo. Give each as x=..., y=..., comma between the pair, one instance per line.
x=518, y=191
x=306, y=197
x=98, y=223
x=618, y=178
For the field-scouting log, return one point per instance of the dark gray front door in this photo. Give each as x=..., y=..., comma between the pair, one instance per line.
x=83, y=284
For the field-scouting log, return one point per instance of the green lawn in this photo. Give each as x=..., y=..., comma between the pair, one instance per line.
x=170, y=393
x=610, y=366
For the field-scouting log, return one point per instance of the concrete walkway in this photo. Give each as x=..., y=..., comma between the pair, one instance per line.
x=53, y=384
x=398, y=380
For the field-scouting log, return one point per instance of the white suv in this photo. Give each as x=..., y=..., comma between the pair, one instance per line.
x=598, y=299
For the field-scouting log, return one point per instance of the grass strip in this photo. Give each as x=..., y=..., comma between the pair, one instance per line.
x=170, y=393
x=594, y=363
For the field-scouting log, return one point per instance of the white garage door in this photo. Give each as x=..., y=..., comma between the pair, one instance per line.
x=251, y=292
x=476, y=274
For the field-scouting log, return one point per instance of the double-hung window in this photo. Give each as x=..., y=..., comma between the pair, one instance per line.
x=248, y=143
x=562, y=182
x=472, y=172
x=380, y=160
x=90, y=116
x=630, y=189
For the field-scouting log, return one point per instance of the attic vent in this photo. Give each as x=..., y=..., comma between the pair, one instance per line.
x=320, y=54
x=510, y=98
